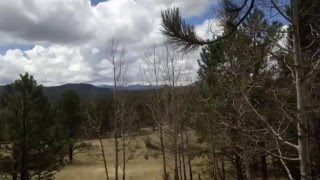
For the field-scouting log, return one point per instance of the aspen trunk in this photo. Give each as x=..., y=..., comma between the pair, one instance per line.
x=301, y=92
x=104, y=159
x=176, y=170
x=183, y=158
x=189, y=157
x=180, y=164
x=213, y=162
x=123, y=157
x=116, y=143
x=116, y=153
x=165, y=174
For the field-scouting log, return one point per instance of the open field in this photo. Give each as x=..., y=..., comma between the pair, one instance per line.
x=89, y=166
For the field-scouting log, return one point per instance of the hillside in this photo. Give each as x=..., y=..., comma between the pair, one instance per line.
x=85, y=91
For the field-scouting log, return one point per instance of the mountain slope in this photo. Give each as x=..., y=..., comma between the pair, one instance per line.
x=86, y=91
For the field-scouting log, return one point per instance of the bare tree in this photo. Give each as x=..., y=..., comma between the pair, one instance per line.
x=95, y=120
x=164, y=65
x=152, y=74
x=116, y=55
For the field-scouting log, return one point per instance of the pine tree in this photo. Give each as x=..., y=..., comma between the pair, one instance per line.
x=36, y=145
x=71, y=118
x=227, y=68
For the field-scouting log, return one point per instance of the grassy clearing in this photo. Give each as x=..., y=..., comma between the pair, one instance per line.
x=90, y=165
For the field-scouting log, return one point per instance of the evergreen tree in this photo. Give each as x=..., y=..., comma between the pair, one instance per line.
x=304, y=30
x=36, y=145
x=71, y=118
x=228, y=70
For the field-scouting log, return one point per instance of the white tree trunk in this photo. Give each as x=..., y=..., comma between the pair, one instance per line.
x=301, y=92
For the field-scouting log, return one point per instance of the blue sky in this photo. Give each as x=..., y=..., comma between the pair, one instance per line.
x=5, y=47
x=95, y=2
x=199, y=19
x=195, y=20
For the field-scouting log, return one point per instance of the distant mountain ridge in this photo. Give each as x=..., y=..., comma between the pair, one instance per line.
x=86, y=91
x=134, y=87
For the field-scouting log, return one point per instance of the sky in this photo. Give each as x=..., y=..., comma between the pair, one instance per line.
x=64, y=41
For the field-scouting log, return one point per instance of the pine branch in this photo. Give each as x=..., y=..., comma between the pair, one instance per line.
x=184, y=36
x=178, y=31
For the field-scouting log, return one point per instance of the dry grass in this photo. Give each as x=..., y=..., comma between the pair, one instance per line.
x=89, y=166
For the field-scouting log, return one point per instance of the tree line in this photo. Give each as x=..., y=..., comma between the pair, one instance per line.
x=38, y=137
x=253, y=113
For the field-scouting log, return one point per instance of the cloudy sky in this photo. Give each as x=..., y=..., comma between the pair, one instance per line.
x=64, y=41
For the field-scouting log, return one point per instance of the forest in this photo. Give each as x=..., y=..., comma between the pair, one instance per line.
x=252, y=113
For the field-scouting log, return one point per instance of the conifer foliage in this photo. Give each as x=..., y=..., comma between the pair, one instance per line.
x=35, y=141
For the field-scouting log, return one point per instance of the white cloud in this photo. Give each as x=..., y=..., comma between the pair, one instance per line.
x=95, y=51
x=209, y=28
x=61, y=21
x=51, y=66
x=71, y=36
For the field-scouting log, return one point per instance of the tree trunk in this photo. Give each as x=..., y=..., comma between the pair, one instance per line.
x=184, y=166
x=23, y=168
x=116, y=145
x=238, y=165
x=175, y=128
x=264, y=167
x=176, y=171
x=14, y=172
x=39, y=175
x=216, y=169
x=23, y=150
x=14, y=176
x=301, y=92
x=223, y=177
x=190, y=168
x=116, y=177
x=70, y=153
x=213, y=163
x=275, y=166
x=165, y=174
x=189, y=157
x=104, y=158
x=199, y=177
x=180, y=165
x=248, y=168
x=175, y=149
x=123, y=157
x=116, y=174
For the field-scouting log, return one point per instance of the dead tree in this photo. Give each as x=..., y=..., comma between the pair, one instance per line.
x=95, y=121
x=116, y=55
